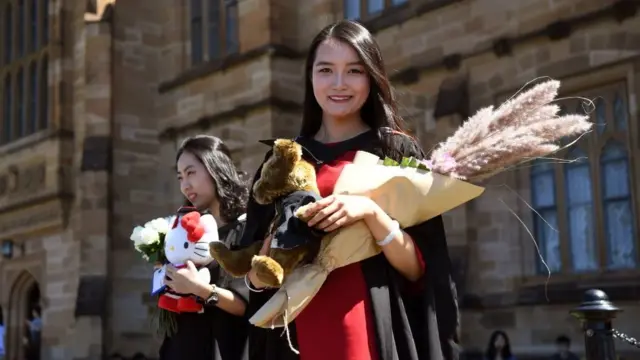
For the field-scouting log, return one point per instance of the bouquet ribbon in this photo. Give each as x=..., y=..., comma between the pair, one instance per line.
x=408, y=195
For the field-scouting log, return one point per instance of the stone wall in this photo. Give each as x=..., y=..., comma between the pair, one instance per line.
x=138, y=45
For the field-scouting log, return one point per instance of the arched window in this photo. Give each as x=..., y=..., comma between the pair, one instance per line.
x=593, y=204
x=44, y=29
x=214, y=29
x=617, y=207
x=43, y=99
x=21, y=28
x=232, y=40
x=545, y=216
x=33, y=25
x=7, y=123
x=601, y=115
x=24, y=61
x=33, y=98
x=20, y=116
x=8, y=34
x=353, y=9
x=620, y=113
x=579, y=202
x=196, y=31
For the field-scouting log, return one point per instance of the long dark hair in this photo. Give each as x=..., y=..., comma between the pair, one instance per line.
x=491, y=347
x=380, y=109
x=231, y=188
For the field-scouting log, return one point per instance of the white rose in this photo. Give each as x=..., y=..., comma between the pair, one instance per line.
x=136, y=236
x=160, y=225
x=149, y=236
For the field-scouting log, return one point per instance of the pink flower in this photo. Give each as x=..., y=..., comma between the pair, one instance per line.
x=446, y=164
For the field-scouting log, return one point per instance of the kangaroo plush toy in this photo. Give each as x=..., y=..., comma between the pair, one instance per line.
x=188, y=239
x=287, y=181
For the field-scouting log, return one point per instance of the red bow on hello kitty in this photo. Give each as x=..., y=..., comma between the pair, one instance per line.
x=191, y=223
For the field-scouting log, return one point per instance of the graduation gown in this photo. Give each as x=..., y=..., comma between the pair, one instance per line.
x=415, y=326
x=214, y=334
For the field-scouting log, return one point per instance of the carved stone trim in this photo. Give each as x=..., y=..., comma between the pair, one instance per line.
x=32, y=218
x=237, y=112
x=33, y=140
x=554, y=294
x=275, y=50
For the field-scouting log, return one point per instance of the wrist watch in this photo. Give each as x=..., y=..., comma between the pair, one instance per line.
x=213, y=297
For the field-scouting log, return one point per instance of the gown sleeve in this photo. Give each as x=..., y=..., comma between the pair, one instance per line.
x=258, y=216
x=236, y=285
x=435, y=291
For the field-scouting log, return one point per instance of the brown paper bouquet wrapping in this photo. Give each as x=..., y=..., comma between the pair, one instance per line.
x=409, y=195
x=526, y=127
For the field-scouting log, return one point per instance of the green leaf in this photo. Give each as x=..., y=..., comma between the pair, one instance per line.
x=405, y=162
x=413, y=162
x=409, y=162
x=389, y=162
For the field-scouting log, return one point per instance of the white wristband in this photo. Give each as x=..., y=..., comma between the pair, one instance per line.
x=247, y=282
x=392, y=234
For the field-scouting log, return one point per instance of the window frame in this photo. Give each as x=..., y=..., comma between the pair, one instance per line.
x=624, y=75
x=36, y=51
x=226, y=46
x=593, y=145
x=363, y=8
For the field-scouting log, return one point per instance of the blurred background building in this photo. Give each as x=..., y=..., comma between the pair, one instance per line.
x=96, y=95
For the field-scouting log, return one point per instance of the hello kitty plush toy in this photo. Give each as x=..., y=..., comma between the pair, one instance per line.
x=188, y=239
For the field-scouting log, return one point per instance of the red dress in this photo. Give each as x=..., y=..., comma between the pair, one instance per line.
x=338, y=323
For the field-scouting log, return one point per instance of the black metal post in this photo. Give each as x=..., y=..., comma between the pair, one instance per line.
x=596, y=313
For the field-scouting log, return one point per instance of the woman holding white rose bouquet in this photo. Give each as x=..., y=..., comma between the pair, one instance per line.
x=209, y=181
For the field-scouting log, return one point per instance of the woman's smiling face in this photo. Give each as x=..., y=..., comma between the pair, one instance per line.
x=340, y=81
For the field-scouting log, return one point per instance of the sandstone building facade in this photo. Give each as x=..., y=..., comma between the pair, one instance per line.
x=97, y=94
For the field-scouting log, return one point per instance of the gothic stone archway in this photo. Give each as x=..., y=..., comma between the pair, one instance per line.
x=25, y=294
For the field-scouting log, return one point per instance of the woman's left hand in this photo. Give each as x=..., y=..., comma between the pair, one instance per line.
x=335, y=211
x=184, y=280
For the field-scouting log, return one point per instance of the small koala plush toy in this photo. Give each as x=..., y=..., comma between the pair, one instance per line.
x=188, y=239
x=287, y=181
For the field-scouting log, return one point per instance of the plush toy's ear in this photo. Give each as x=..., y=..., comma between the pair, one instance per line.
x=306, y=153
x=191, y=223
x=269, y=142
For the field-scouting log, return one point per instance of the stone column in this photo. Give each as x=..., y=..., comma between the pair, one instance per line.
x=93, y=133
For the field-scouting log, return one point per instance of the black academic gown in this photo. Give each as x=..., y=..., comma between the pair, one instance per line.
x=421, y=326
x=214, y=334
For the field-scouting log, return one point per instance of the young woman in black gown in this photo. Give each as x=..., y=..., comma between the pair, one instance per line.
x=401, y=304
x=209, y=181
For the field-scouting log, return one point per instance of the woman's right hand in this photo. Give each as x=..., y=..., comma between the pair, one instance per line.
x=266, y=244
